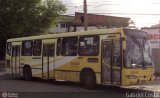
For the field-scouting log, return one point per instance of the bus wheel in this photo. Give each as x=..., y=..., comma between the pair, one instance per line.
x=27, y=73
x=88, y=79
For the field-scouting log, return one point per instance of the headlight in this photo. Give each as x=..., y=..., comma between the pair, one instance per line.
x=131, y=76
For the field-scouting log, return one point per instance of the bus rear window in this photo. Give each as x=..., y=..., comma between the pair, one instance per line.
x=89, y=46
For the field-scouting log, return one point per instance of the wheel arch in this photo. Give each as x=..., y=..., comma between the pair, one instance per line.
x=27, y=72
x=26, y=65
x=86, y=69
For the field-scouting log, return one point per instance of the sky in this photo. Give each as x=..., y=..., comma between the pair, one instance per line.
x=143, y=12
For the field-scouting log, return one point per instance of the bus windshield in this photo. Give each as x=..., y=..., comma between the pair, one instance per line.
x=137, y=54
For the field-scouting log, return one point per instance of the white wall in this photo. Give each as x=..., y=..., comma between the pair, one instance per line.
x=154, y=37
x=57, y=29
x=81, y=28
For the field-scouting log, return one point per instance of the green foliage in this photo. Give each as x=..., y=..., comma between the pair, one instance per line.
x=27, y=17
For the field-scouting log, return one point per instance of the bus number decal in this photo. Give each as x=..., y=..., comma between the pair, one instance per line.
x=134, y=72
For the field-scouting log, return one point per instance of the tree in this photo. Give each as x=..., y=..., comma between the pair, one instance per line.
x=27, y=17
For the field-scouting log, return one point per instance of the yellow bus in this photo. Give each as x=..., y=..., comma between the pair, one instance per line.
x=117, y=56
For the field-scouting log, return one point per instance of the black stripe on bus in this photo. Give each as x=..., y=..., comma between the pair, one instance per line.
x=71, y=71
x=32, y=68
x=36, y=57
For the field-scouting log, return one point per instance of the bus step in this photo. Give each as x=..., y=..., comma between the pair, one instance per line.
x=49, y=78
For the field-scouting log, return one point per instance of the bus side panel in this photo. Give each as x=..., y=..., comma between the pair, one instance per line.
x=35, y=64
x=8, y=64
x=69, y=68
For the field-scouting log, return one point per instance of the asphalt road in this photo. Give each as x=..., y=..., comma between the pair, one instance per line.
x=38, y=88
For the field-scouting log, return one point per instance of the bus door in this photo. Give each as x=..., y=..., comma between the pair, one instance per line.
x=48, y=60
x=15, y=66
x=111, y=62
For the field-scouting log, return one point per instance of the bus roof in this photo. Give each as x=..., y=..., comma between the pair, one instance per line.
x=81, y=33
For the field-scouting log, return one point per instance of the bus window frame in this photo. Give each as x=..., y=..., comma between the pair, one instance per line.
x=37, y=48
x=23, y=50
x=98, y=46
x=131, y=33
x=59, y=47
x=117, y=41
x=9, y=51
x=63, y=42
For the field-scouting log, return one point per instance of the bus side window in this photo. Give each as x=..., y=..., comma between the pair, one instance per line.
x=89, y=46
x=27, y=48
x=69, y=46
x=58, y=47
x=37, y=47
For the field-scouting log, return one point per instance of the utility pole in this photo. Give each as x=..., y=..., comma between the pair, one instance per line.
x=85, y=15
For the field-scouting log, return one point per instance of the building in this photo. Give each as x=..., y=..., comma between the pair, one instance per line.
x=76, y=23
x=154, y=39
x=62, y=24
x=154, y=35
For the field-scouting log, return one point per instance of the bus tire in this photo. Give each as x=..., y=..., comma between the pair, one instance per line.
x=88, y=79
x=27, y=73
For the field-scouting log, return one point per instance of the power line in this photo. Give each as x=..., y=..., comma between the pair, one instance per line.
x=101, y=5
x=92, y=2
x=115, y=3
x=73, y=6
x=80, y=8
x=141, y=14
x=74, y=3
x=121, y=2
x=125, y=3
x=103, y=1
x=145, y=14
